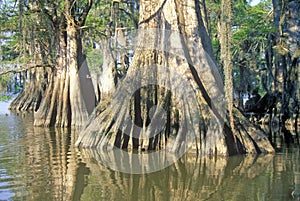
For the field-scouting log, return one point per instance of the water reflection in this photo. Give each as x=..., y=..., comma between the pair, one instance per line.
x=42, y=164
x=262, y=177
x=281, y=137
x=236, y=178
x=36, y=163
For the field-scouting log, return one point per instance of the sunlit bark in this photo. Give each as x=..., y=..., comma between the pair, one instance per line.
x=64, y=104
x=226, y=55
x=155, y=50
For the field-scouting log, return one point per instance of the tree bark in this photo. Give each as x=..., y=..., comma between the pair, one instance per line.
x=286, y=53
x=178, y=92
x=65, y=103
x=108, y=71
x=29, y=99
x=226, y=55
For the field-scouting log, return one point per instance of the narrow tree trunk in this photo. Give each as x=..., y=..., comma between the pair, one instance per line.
x=108, y=71
x=226, y=55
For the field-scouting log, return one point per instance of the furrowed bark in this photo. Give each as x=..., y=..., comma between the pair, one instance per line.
x=188, y=55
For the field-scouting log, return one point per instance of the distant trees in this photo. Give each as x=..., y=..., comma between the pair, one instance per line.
x=264, y=52
x=63, y=104
x=286, y=62
x=251, y=27
x=52, y=39
x=24, y=45
x=50, y=35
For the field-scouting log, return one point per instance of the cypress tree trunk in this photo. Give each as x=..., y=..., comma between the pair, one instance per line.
x=55, y=107
x=67, y=99
x=108, y=71
x=286, y=18
x=34, y=80
x=29, y=99
x=172, y=97
x=225, y=42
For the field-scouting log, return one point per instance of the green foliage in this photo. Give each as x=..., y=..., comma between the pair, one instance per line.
x=101, y=17
x=8, y=34
x=94, y=59
x=4, y=81
x=252, y=24
x=251, y=28
x=5, y=98
x=101, y=24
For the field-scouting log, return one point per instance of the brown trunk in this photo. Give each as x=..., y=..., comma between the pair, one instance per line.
x=29, y=99
x=70, y=97
x=108, y=71
x=54, y=108
x=226, y=55
x=78, y=108
x=172, y=94
x=286, y=54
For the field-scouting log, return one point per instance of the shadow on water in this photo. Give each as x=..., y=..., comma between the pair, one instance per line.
x=43, y=164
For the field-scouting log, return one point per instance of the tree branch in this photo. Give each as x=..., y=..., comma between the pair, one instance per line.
x=135, y=22
x=25, y=68
x=85, y=13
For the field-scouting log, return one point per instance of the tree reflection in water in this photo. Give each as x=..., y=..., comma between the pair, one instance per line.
x=248, y=177
x=42, y=164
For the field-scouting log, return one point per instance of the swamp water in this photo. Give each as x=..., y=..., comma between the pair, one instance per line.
x=42, y=164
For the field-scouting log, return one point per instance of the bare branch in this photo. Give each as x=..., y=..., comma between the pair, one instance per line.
x=135, y=22
x=85, y=13
x=19, y=70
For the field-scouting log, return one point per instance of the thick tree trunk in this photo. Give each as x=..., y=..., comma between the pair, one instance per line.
x=55, y=107
x=79, y=110
x=30, y=98
x=70, y=97
x=172, y=95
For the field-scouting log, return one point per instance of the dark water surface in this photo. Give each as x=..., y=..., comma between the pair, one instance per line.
x=42, y=164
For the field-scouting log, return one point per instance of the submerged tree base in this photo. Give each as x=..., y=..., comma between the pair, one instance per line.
x=157, y=108
x=172, y=97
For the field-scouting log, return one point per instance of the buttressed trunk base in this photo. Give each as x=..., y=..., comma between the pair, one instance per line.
x=172, y=97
